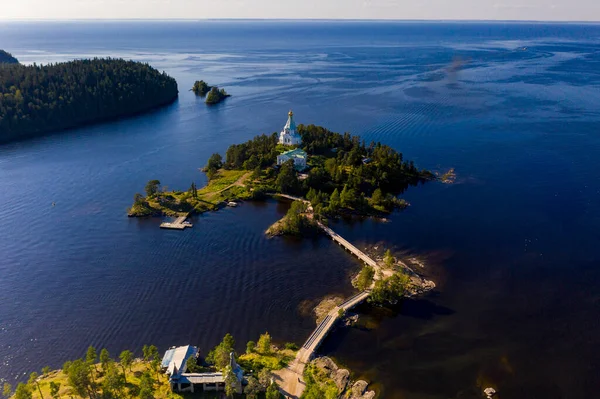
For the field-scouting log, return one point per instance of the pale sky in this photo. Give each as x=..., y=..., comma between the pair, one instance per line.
x=546, y=10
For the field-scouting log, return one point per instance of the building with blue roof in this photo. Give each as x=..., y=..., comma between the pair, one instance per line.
x=298, y=155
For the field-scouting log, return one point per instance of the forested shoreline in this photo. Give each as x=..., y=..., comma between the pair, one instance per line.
x=7, y=58
x=40, y=99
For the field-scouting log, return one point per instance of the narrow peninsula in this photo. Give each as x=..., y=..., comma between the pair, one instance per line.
x=40, y=99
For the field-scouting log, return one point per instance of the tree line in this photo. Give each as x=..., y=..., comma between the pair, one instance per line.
x=86, y=380
x=345, y=173
x=97, y=375
x=38, y=99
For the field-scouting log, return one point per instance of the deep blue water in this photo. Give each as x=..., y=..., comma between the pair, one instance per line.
x=513, y=245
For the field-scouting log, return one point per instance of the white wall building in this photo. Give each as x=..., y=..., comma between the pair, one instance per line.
x=299, y=156
x=288, y=135
x=174, y=364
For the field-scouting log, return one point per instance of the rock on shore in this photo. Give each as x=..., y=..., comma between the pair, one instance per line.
x=341, y=378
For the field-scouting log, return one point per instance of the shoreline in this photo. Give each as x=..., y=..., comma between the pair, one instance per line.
x=319, y=195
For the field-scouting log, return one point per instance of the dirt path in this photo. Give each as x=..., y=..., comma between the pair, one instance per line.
x=239, y=183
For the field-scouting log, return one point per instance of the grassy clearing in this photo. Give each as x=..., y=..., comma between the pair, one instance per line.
x=226, y=185
x=163, y=390
x=277, y=359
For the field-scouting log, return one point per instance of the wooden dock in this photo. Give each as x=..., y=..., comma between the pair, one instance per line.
x=179, y=223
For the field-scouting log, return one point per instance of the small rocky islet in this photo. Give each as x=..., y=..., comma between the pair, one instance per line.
x=213, y=94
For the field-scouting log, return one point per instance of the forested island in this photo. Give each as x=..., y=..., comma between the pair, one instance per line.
x=345, y=176
x=201, y=88
x=7, y=58
x=215, y=95
x=40, y=99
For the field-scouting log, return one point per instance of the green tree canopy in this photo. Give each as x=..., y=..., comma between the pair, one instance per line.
x=200, y=88
x=287, y=180
x=126, y=358
x=264, y=344
x=388, y=258
x=334, y=200
x=273, y=391
x=54, y=389
x=215, y=162
x=152, y=188
x=38, y=99
x=23, y=392
x=104, y=359
x=215, y=95
x=220, y=355
x=79, y=378
x=113, y=383
x=146, y=386
x=91, y=356
x=250, y=346
x=231, y=383
x=364, y=278
x=390, y=289
x=252, y=389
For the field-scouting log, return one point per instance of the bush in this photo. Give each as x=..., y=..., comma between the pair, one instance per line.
x=390, y=289
x=364, y=278
x=291, y=346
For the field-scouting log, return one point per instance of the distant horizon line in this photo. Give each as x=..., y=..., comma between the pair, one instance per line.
x=516, y=21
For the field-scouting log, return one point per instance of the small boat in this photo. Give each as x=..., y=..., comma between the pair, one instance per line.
x=232, y=204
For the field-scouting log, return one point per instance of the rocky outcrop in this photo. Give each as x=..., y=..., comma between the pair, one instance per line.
x=341, y=378
x=419, y=286
x=351, y=319
x=359, y=391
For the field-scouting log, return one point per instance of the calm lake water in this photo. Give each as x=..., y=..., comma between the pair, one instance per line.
x=513, y=245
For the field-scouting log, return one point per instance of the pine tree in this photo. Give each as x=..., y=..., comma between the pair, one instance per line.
x=104, y=359
x=33, y=381
x=264, y=344
x=334, y=201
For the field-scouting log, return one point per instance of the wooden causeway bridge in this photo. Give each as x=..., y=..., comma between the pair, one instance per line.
x=291, y=378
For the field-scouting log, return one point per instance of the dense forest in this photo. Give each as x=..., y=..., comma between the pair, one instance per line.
x=39, y=99
x=7, y=58
x=345, y=173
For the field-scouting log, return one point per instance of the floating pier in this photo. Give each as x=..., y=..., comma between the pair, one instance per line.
x=179, y=224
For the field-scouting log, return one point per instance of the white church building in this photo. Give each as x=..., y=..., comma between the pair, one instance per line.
x=288, y=135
